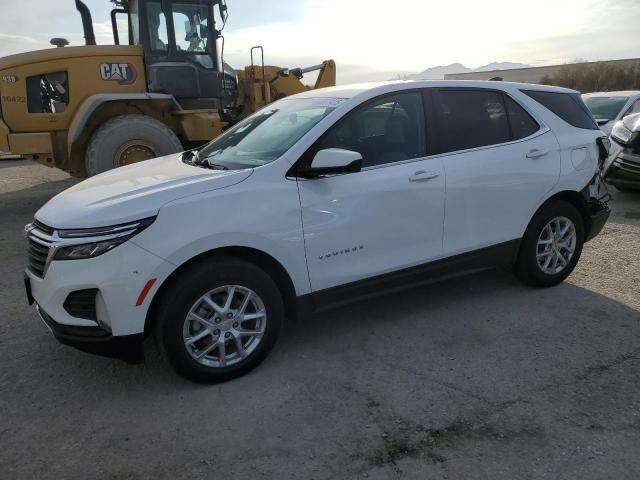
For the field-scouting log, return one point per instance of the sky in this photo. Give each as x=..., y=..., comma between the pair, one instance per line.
x=375, y=39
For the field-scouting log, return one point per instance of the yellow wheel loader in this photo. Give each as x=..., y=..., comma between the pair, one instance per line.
x=90, y=108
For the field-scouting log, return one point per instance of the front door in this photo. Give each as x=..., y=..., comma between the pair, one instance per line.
x=387, y=217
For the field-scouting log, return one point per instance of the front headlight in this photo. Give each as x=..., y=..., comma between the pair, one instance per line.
x=621, y=133
x=91, y=242
x=627, y=130
x=87, y=250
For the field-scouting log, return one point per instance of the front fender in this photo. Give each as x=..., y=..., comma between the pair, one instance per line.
x=91, y=104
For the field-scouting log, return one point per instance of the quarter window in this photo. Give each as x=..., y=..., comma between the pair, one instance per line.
x=387, y=130
x=470, y=119
x=568, y=106
x=522, y=124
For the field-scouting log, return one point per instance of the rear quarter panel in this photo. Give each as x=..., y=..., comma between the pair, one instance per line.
x=578, y=151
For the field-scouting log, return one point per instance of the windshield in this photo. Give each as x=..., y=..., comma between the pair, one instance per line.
x=606, y=108
x=267, y=134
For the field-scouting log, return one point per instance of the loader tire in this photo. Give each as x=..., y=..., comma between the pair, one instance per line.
x=128, y=139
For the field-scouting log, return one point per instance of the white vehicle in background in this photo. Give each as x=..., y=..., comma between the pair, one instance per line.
x=319, y=199
x=609, y=107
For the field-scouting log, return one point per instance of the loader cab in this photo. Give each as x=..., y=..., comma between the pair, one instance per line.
x=182, y=47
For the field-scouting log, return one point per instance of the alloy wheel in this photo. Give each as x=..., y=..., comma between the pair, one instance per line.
x=224, y=326
x=556, y=245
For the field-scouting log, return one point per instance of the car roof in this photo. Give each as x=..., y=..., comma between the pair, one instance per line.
x=621, y=93
x=357, y=89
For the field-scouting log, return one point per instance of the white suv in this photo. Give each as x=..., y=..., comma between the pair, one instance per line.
x=317, y=200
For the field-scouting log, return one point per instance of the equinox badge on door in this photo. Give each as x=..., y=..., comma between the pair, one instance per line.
x=340, y=252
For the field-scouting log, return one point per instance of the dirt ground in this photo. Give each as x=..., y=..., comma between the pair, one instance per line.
x=475, y=378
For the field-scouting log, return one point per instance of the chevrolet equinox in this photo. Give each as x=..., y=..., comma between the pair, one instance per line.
x=316, y=200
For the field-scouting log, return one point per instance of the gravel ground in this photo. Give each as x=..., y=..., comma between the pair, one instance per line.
x=474, y=378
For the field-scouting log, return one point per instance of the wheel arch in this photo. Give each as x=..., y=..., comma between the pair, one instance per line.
x=257, y=257
x=97, y=109
x=578, y=199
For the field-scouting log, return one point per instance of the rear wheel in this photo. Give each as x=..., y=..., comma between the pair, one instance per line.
x=128, y=139
x=219, y=320
x=551, y=245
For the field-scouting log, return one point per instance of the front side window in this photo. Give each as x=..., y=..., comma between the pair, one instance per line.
x=267, y=134
x=471, y=119
x=157, y=24
x=387, y=130
x=191, y=26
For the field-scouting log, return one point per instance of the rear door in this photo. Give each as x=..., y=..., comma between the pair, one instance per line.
x=384, y=218
x=499, y=163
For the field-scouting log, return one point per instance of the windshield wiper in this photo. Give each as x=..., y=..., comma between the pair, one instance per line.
x=215, y=166
x=192, y=157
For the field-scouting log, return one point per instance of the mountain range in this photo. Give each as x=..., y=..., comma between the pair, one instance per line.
x=438, y=73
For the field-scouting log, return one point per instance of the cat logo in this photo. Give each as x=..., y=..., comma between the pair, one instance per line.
x=123, y=73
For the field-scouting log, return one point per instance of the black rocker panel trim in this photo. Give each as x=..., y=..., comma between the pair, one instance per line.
x=500, y=255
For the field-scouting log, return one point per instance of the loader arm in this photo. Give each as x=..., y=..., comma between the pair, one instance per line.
x=327, y=75
x=282, y=82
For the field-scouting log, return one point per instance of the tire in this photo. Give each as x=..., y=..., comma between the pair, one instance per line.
x=176, y=326
x=539, y=240
x=127, y=139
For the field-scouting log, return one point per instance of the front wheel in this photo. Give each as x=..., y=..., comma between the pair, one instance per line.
x=551, y=245
x=128, y=139
x=219, y=320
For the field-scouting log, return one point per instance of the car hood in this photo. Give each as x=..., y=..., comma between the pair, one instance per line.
x=133, y=192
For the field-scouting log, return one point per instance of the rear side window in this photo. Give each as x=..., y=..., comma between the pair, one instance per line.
x=470, y=119
x=522, y=124
x=568, y=106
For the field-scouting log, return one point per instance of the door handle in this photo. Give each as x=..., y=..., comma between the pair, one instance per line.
x=537, y=153
x=422, y=175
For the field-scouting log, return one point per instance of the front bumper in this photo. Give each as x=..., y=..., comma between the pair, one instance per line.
x=96, y=340
x=118, y=277
x=624, y=169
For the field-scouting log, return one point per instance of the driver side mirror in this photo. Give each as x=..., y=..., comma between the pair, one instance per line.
x=331, y=161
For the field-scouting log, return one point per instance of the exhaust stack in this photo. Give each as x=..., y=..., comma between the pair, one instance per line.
x=87, y=23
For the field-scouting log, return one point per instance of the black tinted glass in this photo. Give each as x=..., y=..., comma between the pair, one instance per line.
x=569, y=107
x=471, y=118
x=522, y=124
x=387, y=130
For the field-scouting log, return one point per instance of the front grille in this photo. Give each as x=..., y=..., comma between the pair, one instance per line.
x=629, y=163
x=39, y=240
x=82, y=304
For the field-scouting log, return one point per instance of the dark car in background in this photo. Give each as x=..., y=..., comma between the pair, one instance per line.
x=622, y=167
x=609, y=107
